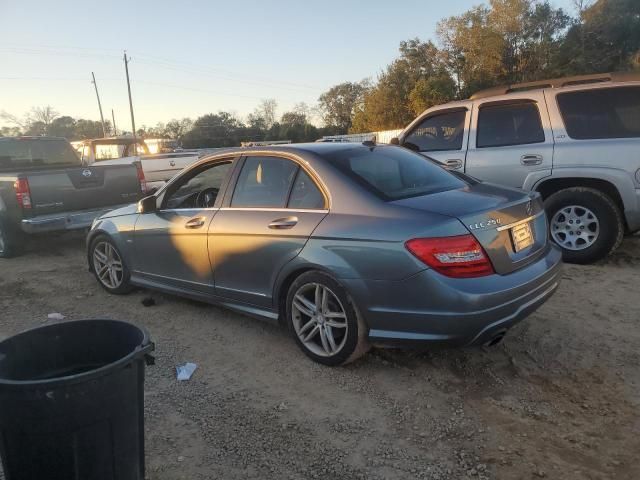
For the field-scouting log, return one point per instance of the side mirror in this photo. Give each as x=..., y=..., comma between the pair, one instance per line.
x=394, y=141
x=148, y=205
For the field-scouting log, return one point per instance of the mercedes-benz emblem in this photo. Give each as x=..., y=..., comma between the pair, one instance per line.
x=529, y=207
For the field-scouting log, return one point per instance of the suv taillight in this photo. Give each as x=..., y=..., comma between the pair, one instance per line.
x=23, y=194
x=141, y=179
x=460, y=257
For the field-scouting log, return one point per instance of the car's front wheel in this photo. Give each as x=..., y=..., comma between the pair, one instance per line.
x=324, y=321
x=585, y=223
x=108, y=266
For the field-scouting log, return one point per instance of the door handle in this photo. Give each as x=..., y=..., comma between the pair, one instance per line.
x=453, y=163
x=282, y=223
x=196, y=222
x=531, y=160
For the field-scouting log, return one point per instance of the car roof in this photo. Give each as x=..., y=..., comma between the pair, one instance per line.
x=33, y=137
x=320, y=149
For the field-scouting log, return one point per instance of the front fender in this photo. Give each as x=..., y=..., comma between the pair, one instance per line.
x=120, y=230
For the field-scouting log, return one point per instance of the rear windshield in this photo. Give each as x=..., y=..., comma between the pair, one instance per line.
x=19, y=154
x=393, y=173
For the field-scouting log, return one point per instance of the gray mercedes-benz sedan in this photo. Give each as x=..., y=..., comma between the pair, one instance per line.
x=347, y=244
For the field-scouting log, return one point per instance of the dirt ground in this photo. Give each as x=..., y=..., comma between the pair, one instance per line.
x=558, y=399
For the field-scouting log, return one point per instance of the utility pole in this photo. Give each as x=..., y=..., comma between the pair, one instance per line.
x=133, y=122
x=104, y=130
x=115, y=129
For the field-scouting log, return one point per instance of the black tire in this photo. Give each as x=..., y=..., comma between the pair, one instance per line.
x=355, y=343
x=9, y=247
x=124, y=286
x=608, y=215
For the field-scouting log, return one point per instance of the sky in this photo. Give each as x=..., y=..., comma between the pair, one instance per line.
x=189, y=58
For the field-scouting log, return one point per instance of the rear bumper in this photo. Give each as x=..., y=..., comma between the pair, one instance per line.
x=431, y=308
x=64, y=221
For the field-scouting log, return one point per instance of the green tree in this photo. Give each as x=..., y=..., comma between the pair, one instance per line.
x=340, y=103
x=214, y=130
x=63, y=127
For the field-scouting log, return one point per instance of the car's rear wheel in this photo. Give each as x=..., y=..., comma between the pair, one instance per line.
x=108, y=266
x=324, y=320
x=585, y=223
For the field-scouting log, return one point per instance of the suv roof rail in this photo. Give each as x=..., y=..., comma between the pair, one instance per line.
x=558, y=83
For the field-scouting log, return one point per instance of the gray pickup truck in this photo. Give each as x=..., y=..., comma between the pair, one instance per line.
x=44, y=187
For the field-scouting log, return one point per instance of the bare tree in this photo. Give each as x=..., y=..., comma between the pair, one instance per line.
x=46, y=115
x=267, y=110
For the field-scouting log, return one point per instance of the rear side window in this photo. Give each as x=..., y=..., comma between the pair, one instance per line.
x=507, y=124
x=439, y=132
x=264, y=182
x=601, y=113
x=393, y=173
x=305, y=193
x=17, y=153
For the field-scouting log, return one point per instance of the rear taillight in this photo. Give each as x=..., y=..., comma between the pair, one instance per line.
x=23, y=194
x=460, y=257
x=141, y=179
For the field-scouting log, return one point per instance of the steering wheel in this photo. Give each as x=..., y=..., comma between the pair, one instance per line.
x=206, y=198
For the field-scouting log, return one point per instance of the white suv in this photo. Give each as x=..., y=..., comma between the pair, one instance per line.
x=575, y=140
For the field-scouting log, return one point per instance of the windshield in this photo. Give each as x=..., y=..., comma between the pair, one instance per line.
x=393, y=173
x=21, y=153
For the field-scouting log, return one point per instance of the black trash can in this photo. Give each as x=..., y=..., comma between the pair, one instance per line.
x=72, y=401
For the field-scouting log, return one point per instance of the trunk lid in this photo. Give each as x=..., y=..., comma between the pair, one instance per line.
x=497, y=217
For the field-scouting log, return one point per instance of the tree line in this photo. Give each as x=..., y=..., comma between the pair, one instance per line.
x=502, y=42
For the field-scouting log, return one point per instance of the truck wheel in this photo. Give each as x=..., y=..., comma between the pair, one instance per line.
x=8, y=246
x=585, y=223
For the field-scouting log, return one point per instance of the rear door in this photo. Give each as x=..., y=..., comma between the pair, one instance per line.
x=441, y=135
x=511, y=141
x=274, y=208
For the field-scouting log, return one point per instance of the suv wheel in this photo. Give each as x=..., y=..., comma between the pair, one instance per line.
x=585, y=223
x=324, y=321
x=108, y=267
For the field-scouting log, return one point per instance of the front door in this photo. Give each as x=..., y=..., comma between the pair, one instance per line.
x=511, y=142
x=441, y=136
x=275, y=207
x=171, y=244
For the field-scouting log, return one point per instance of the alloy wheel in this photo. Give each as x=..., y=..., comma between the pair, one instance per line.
x=319, y=319
x=575, y=227
x=108, y=265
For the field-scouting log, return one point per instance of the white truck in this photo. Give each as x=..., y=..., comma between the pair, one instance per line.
x=575, y=140
x=158, y=168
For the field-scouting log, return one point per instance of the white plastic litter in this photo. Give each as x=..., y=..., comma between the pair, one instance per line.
x=185, y=371
x=55, y=316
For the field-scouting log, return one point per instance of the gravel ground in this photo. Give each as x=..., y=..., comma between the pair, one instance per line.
x=559, y=398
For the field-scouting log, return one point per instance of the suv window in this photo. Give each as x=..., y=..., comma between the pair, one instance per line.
x=393, y=173
x=305, y=193
x=601, y=113
x=506, y=124
x=264, y=182
x=21, y=153
x=442, y=131
x=209, y=179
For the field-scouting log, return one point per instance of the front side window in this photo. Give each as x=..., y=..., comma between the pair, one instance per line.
x=393, y=173
x=438, y=132
x=264, y=182
x=200, y=190
x=507, y=124
x=601, y=113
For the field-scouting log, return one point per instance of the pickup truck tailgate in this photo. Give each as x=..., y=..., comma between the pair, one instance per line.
x=81, y=188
